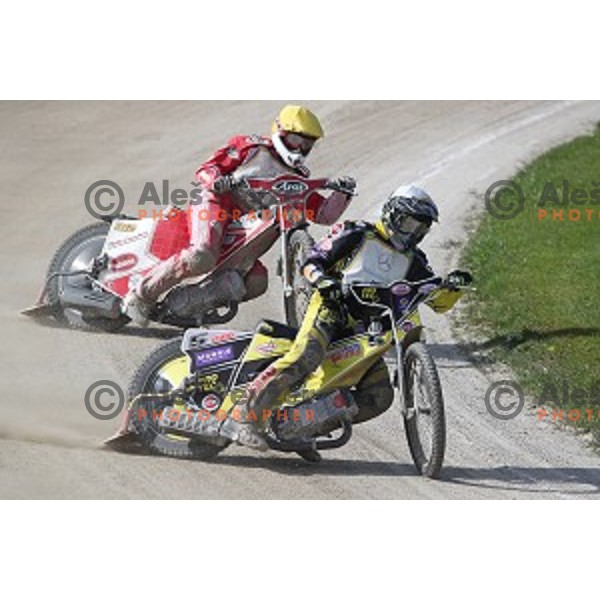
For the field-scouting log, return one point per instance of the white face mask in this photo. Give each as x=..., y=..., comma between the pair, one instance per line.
x=291, y=158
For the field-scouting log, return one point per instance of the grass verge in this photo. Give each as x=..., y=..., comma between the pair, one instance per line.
x=537, y=305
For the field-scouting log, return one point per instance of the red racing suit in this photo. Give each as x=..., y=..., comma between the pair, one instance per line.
x=244, y=156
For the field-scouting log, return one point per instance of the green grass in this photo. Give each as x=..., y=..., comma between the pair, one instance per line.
x=537, y=303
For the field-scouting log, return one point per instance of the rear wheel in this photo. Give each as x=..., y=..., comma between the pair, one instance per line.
x=425, y=422
x=76, y=254
x=300, y=244
x=162, y=371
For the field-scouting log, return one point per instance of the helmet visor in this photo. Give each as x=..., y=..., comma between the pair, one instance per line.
x=408, y=232
x=410, y=225
x=297, y=142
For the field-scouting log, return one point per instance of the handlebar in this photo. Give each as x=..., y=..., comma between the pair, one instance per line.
x=285, y=185
x=401, y=297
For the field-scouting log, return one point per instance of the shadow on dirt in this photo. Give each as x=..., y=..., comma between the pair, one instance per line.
x=510, y=341
x=570, y=481
x=463, y=355
x=522, y=479
x=163, y=333
x=529, y=479
x=294, y=465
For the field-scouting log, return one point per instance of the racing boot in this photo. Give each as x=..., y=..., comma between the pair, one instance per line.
x=310, y=455
x=137, y=309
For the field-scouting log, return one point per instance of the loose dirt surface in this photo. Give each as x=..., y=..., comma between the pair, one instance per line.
x=50, y=447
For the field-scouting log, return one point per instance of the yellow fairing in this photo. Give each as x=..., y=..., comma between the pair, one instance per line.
x=346, y=363
x=348, y=360
x=443, y=300
x=264, y=346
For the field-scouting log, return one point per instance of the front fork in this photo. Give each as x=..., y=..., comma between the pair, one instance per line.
x=401, y=346
x=285, y=264
x=286, y=273
x=399, y=375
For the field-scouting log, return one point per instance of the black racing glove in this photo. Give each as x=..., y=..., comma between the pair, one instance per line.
x=457, y=279
x=333, y=297
x=227, y=183
x=330, y=289
x=345, y=185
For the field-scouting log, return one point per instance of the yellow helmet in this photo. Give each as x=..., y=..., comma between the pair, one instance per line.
x=298, y=119
x=294, y=134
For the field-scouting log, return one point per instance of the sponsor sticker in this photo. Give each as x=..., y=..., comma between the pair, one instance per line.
x=401, y=289
x=345, y=353
x=124, y=262
x=126, y=241
x=369, y=294
x=125, y=226
x=402, y=303
x=267, y=348
x=289, y=186
x=220, y=338
x=210, y=402
x=337, y=228
x=385, y=262
x=213, y=356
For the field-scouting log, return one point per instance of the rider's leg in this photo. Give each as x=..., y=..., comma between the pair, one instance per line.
x=206, y=237
x=374, y=394
x=256, y=281
x=320, y=324
x=302, y=358
x=207, y=222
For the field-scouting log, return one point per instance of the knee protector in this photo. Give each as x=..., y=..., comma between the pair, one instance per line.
x=200, y=261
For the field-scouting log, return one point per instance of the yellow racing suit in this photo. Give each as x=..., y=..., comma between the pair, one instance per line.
x=351, y=252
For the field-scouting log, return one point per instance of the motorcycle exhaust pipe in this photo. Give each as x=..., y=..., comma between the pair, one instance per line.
x=313, y=444
x=94, y=303
x=188, y=301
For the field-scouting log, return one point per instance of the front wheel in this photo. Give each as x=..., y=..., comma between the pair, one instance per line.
x=162, y=371
x=299, y=245
x=425, y=421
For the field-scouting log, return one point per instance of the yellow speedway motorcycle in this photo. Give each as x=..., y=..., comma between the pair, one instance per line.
x=182, y=394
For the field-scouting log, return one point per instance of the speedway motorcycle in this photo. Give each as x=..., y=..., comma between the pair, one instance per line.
x=181, y=395
x=93, y=270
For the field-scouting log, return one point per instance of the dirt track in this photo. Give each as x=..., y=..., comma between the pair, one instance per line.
x=51, y=152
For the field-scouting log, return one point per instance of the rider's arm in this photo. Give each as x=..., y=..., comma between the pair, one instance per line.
x=443, y=299
x=225, y=160
x=326, y=210
x=342, y=240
